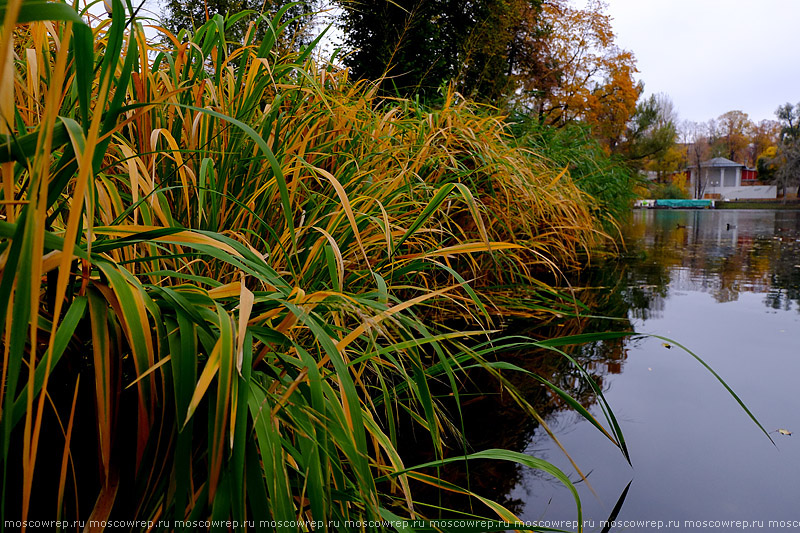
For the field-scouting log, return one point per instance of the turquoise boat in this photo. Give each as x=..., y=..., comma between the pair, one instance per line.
x=685, y=204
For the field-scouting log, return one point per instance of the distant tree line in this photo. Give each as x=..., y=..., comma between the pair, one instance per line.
x=770, y=146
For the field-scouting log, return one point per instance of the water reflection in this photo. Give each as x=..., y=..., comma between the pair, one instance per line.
x=722, y=252
x=725, y=283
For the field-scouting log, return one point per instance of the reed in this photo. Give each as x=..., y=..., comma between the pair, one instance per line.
x=225, y=271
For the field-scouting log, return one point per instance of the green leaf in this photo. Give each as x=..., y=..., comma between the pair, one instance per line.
x=722, y=381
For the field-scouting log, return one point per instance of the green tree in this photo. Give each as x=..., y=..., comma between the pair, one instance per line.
x=418, y=45
x=651, y=132
x=404, y=40
x=187, y=14
x=501, y=44
x=789, y=118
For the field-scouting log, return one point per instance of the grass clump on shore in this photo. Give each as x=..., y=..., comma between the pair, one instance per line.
x=225, y=273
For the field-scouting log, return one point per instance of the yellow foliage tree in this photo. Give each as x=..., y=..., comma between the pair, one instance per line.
x=586, y=77
x=673, y=160
x=733, y=132
x=764, y=136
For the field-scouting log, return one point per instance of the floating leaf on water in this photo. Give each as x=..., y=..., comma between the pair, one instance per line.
x=785, y=432
x=666, y=345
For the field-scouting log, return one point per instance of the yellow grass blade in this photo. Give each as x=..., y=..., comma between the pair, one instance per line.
x=66, y=457
x=225, y=291
x=466, y=248
x=372, y=321
x=210, y=370
x=179, y=237
x=348, y=209
x=38, y=198
x=149, y=371
x=246, y=299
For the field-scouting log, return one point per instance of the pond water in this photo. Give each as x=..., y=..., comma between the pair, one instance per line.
x=725, y=284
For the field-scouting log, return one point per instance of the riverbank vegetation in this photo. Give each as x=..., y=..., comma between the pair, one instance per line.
x=235, y=277
x=227, y=274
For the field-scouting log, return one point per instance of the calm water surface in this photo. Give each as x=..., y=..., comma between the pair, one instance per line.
x=725, y=284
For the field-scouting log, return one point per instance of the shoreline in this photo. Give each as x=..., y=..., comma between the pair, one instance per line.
x=769, y=204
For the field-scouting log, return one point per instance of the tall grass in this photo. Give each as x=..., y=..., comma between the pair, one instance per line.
x=607, y=178
x=225, y=273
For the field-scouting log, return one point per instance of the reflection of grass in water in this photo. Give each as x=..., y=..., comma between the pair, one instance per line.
x=495, y=419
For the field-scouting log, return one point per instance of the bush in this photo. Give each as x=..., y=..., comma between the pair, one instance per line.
x=666, y=191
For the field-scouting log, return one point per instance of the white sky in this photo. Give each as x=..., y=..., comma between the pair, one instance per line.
x=713, y=56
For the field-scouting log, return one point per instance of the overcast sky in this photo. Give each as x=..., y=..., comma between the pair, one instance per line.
x=713, y=56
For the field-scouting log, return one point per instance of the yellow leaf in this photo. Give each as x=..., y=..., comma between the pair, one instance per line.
x=466, y=248
x=210, y=370
x=348, y=210
x=246, y=299
x=179, y=237
x=226, y=291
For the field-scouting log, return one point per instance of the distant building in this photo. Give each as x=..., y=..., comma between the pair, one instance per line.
x=723, y=179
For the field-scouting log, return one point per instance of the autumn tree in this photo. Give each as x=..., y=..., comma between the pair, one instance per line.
x=764, y=135
x=732, y=135
x=672, y=162
x=586, y=76
x=611, y=105
x=767, y=165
